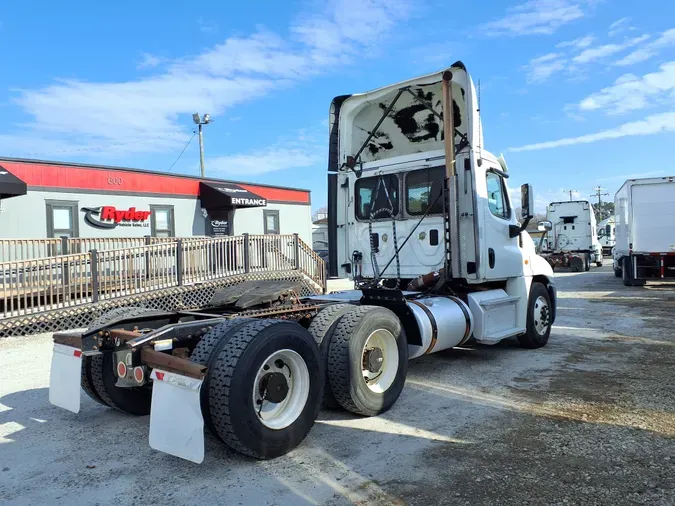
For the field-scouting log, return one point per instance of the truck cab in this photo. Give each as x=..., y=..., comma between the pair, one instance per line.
x=571, y=235
x=390, y=219
x=607, y=235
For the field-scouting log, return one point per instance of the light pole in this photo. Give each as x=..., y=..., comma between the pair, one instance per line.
x=199, y=122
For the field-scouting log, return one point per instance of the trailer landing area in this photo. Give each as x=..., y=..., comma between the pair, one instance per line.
x=590, y=418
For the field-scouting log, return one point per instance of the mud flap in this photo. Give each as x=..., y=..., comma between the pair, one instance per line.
x=176, y=422
x=65, y=377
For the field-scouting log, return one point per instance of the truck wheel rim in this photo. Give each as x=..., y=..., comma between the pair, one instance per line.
x=542, y=315
x=281, y=389
x=381, y=349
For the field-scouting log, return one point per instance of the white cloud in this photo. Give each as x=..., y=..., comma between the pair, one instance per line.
x=154, y=112
x=536, y=17
x=630, y=92
x=206, y=26
x=265, y=160
x=541, y=68
x=595, y=53
x=651, y=125
x=619, y=26
x=649, y=50
x=149, y=61
x=580, y=43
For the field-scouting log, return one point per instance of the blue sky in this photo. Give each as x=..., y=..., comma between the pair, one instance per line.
x=575, y=93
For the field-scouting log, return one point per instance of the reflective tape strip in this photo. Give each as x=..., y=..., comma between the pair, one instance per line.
x=176, y=379
x=67, y=350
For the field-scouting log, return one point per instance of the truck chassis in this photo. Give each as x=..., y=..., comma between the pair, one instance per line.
x=257, y=364
x=576, y=261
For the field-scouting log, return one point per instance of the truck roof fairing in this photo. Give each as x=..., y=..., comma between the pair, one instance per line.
x=410, y=126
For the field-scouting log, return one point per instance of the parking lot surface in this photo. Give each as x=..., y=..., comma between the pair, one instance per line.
x=588, y=419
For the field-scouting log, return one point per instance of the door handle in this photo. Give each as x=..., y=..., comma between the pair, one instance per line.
x=491, y=258
x=433, y=237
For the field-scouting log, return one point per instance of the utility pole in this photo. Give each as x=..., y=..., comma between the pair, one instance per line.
x=200, y=122
x=598, y=193
x=570, y=192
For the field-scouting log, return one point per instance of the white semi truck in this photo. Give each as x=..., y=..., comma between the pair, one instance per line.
x=571, y=235
x=645, y=230
x=607, y=235
x=419, y=216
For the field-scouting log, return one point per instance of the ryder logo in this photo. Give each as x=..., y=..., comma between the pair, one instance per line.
x=108, y=217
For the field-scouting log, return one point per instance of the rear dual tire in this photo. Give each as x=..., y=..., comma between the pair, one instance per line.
x=98, y=378
x=627, y=274
x=368, y=360
x=322, y=328
x=263, y=387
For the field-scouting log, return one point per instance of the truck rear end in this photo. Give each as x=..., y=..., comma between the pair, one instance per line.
x=572, y=239
x=645, y=230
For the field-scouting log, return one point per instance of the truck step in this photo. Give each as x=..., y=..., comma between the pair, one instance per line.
x=495, y=338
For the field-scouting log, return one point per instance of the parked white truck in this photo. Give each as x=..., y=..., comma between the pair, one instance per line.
x=419, y=216
x=607, y=235
x=571, y=237
x=645, y=230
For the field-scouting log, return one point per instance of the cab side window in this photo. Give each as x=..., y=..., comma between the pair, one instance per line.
x=497, y=200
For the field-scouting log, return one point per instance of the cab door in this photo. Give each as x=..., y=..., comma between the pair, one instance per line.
x=502, y=256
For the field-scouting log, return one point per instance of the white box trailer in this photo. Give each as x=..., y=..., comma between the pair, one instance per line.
x=571, y=239
x=645, y=230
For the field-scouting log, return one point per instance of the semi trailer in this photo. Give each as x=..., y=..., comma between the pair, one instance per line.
x=570, y=238
x=421, y=221
x=645, y=230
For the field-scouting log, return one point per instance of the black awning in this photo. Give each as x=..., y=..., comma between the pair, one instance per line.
x=10, y=185
x=217, y=195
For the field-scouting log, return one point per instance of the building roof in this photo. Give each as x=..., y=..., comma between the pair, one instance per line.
x=141, y=171
x=86, y=178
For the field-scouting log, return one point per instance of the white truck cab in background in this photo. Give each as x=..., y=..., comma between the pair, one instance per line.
x=571, y=239
x=607, y=235
x=644, y=211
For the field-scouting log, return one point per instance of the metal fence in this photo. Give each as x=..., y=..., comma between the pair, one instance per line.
x=44, y=284
x=28, y=249
x=31, y=249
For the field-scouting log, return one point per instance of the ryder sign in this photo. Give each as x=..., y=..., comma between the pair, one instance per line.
x=110, y=217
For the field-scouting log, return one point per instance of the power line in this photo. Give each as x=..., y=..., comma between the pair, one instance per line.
x=181, y=153
x=99, y=147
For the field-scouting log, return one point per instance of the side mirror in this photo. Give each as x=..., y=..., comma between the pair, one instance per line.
x=544, y=226
x=527, y=210
x=526, y=202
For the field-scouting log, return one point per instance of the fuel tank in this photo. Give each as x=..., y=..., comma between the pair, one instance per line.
x=444, y=322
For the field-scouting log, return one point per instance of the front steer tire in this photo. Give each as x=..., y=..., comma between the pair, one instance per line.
x=533, y=338
x=345, y=359
x=232, y=373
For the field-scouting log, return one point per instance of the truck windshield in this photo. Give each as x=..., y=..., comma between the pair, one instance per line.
x=371, y=197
